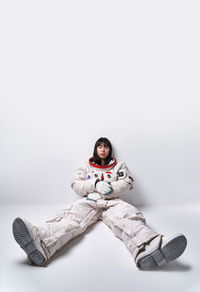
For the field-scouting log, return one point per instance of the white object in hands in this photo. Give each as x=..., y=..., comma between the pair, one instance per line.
x=103, y=187
x=94, y=196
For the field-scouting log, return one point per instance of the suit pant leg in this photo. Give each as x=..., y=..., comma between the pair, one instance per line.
x=129, y=224
x=66, y=225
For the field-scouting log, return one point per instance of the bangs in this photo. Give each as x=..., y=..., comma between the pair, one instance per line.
x=104, y=141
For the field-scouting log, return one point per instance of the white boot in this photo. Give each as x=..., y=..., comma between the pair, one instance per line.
x=26, y=236
x=171, y=248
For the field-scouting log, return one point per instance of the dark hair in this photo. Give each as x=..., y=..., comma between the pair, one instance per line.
x=96, y=159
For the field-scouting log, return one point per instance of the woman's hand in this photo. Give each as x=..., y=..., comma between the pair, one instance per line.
x=94, y=196
x=103, y=188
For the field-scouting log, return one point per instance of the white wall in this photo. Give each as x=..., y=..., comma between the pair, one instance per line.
x=73, y=71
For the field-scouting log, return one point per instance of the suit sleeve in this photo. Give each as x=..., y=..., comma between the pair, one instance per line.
x=123, y=183
x=80, y=184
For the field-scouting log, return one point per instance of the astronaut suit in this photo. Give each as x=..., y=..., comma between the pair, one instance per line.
x=126, y=221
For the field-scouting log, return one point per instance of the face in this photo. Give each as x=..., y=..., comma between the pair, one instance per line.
x=103, y=151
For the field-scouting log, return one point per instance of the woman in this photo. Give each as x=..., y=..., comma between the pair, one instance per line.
x=100, y=181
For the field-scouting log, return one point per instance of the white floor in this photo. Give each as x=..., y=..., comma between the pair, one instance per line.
x=97, y=260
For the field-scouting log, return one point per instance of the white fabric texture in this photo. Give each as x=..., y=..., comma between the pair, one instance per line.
x=86, y=176
x=126, y=221
x=94, y=196
x=103, y=187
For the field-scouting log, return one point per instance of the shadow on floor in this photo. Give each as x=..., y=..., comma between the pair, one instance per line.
x=174, y=266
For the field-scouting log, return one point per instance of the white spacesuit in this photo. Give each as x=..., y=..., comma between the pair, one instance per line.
x=100, y=187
